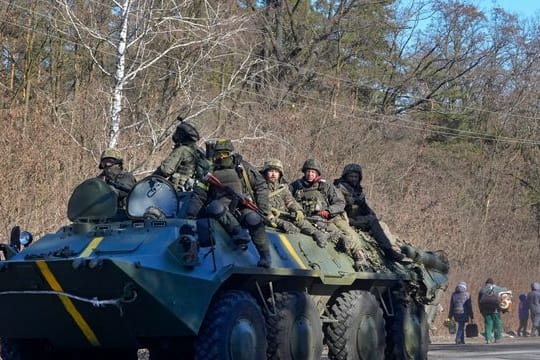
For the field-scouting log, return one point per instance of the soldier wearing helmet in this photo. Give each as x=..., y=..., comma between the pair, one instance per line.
x=360, y=215
x=184, y=164
x=322, y=202
x=112, y=172
x=237, y=175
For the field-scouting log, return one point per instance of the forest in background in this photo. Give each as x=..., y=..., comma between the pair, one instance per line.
x=438, y=101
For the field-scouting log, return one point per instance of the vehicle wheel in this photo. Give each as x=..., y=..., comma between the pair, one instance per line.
x=295, y=331
x=233, y=329
x=409, y=332
x=22, y=349
x=359, y=332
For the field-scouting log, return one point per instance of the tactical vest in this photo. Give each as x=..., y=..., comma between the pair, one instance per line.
x=311, y=199
x=275, y=197
x=229, y=178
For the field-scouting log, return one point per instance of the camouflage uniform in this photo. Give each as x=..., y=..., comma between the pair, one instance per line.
x=180, y=167
x=111, y=164
x=243, y=178
x=360, y=215
x=321, y=199
x=283, y=204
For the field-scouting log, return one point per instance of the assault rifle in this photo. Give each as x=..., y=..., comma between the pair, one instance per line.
x=291, y=217
x=236, y=196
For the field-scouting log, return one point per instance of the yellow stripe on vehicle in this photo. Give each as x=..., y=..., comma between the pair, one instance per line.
x=291, y=251
x=91, y=247
x=68, y=304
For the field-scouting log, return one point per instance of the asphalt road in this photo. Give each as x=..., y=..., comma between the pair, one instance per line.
x=509, y=348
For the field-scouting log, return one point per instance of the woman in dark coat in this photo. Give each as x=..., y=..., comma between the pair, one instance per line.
x=461, y=310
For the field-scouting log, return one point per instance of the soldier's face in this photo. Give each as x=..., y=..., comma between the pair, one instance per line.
x=311, y=175
x=352, y=178
x=272, y=175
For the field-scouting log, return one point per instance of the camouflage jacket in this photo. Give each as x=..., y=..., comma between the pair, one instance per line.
x=355, y=200
x=317, y=196
x=121, y=182
x=179, y=166
x=281, y=198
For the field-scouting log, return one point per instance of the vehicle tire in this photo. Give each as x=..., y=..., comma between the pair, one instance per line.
x=409, y=332
x=295, y=331
x=23, y=349
x=233, y=329
x=359, y=332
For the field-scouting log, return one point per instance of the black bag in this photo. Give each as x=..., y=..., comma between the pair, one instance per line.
x=471, y=330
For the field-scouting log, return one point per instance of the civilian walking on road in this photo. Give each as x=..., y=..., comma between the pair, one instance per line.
x=533, y=300
x=488, y=302
x=461, y=310
x=523, y=313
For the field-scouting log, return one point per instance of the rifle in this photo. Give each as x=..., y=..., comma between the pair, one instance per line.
x=288, y=216
x=241, y=198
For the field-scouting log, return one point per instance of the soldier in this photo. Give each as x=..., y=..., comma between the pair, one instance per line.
x=359, y=213
x=239, y=177
x=112, y=166
x=183, y=164
x=288, y=212
x=321, y=199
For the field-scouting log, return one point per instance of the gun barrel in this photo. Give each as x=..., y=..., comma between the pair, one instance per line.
x=427, y=258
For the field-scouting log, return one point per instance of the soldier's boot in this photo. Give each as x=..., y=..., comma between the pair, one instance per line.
x=396, y=255
x=321, y=238
x=264, y=260
x=241, y=237
x=360, y=261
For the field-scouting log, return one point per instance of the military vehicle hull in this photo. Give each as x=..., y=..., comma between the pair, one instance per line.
x=182, y=288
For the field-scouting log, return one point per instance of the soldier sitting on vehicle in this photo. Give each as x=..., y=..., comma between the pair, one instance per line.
x=320, y=200
x=184, y=164
x=112, y=166
x=288, y=212
x=360, y=214
x=235, y=194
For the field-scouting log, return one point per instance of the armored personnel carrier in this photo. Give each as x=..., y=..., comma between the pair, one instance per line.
x=115, y=281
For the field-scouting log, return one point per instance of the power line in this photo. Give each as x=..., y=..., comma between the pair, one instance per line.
x=392, y=120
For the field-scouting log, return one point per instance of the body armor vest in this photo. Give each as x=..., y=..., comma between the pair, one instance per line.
x=229, y=178
x=311, y=199
x=275, y=197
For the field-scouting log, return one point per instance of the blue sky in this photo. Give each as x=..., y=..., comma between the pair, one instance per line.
x=520, y=7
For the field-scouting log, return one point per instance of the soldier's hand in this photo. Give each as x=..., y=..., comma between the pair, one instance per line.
x=271, y=220
x=275, y=212
x=324, y=213
x=299, y=216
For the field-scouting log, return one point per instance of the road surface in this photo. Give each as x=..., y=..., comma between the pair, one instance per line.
x=509, y=348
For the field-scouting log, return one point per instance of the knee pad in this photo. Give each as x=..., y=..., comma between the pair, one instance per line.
x=215, y=209
x=252, y=220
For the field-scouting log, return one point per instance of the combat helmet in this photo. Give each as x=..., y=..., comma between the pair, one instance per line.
x=311, y=164
x=273, y=164
x=113, y=154
x=185, y=132
x=352, y=168
x=223, y=145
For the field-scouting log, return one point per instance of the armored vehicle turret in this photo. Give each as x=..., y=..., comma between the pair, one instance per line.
x=114, y=281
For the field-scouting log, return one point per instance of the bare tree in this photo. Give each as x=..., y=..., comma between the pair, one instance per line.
x=154, y=41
